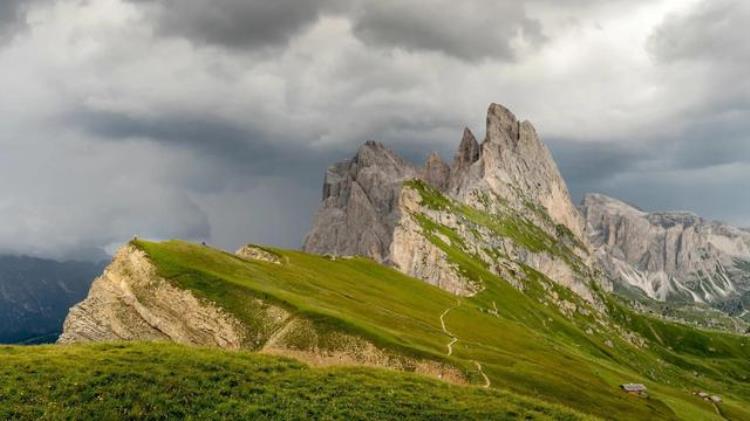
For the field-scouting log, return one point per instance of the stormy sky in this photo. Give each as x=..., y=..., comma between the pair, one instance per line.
x=214, y=120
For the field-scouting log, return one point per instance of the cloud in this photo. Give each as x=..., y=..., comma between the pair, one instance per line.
x=468, y=30
x=709, y=31
x=471, y=30
x=13, y=16
x=238, y=24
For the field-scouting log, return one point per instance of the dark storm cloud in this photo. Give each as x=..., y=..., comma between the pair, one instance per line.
x=718, y=140
x=233, y=151
x=581, y=162
x=468, y=29
x=244, y=24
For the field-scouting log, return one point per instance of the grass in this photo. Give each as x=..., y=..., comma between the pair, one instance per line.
x=114, y=381
x=528, y=348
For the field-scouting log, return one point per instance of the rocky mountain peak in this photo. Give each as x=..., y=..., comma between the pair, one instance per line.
x=375, y=154
x=517, y=166
x=594, y=202
x=370, y=209
x=502, y=125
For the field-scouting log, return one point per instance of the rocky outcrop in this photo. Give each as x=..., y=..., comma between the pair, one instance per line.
x=131, y=302
x=369, y=210
x=674, y=256
x=251, y=252
x=360, y=204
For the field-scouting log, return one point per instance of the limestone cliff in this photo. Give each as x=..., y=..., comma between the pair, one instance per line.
x=669, y=255
x=370, y=209
x=131, y=302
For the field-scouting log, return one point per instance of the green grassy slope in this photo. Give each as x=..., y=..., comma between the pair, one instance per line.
x=168, y=381
x=525, y=347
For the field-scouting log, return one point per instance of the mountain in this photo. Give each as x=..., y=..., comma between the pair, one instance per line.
x=35, y=295
x=671, y=256
x=478, y=273
x=502, y=202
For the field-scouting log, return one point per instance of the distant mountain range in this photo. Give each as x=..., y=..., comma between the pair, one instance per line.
x=35, y=295
x=675, y=257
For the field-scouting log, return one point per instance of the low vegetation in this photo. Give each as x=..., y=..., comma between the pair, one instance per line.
x=168, y=381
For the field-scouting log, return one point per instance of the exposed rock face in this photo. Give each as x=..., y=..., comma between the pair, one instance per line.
x=360, y=204
x=669, y=255
x=252, y=252
x=436, y=172
x=369, y=210
x=130, y=302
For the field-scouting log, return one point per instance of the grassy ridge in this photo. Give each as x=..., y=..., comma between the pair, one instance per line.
x=526, y=347
x=168, y=381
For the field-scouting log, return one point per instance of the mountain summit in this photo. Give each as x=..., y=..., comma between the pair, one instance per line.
x=381, y=206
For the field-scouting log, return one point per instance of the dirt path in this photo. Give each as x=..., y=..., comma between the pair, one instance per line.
x=487, y=382
x=454, y=339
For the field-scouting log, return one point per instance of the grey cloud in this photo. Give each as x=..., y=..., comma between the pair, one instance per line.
x=471, y=29
x=13, y=16
x=467, y=29
x=714, y=30
x=242, y=24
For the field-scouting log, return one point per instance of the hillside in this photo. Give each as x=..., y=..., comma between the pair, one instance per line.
x=354, y=311
x=163, y=381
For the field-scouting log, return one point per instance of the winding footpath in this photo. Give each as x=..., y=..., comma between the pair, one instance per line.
x=454, y=339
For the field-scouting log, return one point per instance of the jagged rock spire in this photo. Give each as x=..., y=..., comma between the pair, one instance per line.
x=436, y=172
x=468, y=151
x=502, y=125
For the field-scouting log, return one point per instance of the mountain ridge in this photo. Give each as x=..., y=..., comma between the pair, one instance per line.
x=668, y=255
